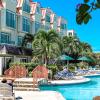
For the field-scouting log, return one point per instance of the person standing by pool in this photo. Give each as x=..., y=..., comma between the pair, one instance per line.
x=5, y=88
x=10, y=82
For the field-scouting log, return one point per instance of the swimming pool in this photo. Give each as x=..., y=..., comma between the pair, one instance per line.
x=83, y=91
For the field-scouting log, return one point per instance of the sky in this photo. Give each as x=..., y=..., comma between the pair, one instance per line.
x=89, y=33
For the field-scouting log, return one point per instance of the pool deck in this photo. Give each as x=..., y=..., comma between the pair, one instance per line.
x=47, y=95
x=92, y=75
x=78, y=79
x=39, y=95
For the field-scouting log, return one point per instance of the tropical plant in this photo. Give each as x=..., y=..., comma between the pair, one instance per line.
x=71, y=45
x=53, y=69
x=85, y=49
x=84, y=10
x=28, y=38
x=71, y=67
x=82, y=65
x=46, y=45
x=30, y=66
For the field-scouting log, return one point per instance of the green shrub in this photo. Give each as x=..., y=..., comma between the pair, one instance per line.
x=71, y=67
x=53, y=68
x=83, y=65
x=30, y=66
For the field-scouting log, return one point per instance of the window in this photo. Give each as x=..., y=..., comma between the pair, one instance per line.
x=10, y=19
x=20, y=39
x=29, y=45
x=47, y=18
x=63, y=26
x=70, y=33
x=38, y=10
x=23, y=60
x=47, y=28
x=37, y=26
x=5, y=38
x=55, y=18
x=26, y=24
x=26, y=7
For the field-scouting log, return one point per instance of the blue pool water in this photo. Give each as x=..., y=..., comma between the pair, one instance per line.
x=83, y=91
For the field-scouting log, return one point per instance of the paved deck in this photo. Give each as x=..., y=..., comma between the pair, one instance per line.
x=39, y=95
x=78, y=79
x=92, y=75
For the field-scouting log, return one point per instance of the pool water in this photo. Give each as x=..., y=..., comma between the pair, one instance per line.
x=83, y=91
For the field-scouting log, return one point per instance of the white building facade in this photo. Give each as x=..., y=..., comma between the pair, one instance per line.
x=71, y=33
x=18, y=17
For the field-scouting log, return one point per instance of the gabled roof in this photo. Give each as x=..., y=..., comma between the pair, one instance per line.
x=16, y=50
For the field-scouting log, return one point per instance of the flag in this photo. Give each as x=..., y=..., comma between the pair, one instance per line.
x=33, y=10
x=43, y=11
x=1, y=4
x=59, y=22
x=19, y=6
x=52, y=18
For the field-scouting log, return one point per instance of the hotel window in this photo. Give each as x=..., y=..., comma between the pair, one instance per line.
x=24, y=60
x=25, y=24
x=55, y=18
x=10, y=19
x=26, y=7
x=5, y=38
x=47, y=18
x=20, y=39
x=63, y=26
x=47, y=27
x=37, y=26
x=38, y=10
x=70, y=33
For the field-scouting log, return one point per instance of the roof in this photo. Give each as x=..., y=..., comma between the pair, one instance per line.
x=16, y=50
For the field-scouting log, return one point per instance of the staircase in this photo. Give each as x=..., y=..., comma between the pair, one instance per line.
x=25, y=85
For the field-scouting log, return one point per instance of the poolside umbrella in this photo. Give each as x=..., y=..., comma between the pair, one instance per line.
x=84, y=58
x=65, y=57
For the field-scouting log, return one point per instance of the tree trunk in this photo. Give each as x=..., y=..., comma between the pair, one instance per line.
x=45, y=61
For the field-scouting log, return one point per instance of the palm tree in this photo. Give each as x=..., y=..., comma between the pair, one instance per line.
x=85, y=49
x=71, y=45
x=46, y=45
x=28, y=38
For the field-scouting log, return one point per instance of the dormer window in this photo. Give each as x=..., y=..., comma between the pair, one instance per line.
x=38, y=10
x=55, y=18
x=63, y=26
x=26, y=7
x=47, y=18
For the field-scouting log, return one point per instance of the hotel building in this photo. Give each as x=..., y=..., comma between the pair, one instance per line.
x=71, y=33
x=18, y=17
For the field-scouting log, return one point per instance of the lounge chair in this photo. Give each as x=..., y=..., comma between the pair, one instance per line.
x=64, y=75
x=82, y=72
